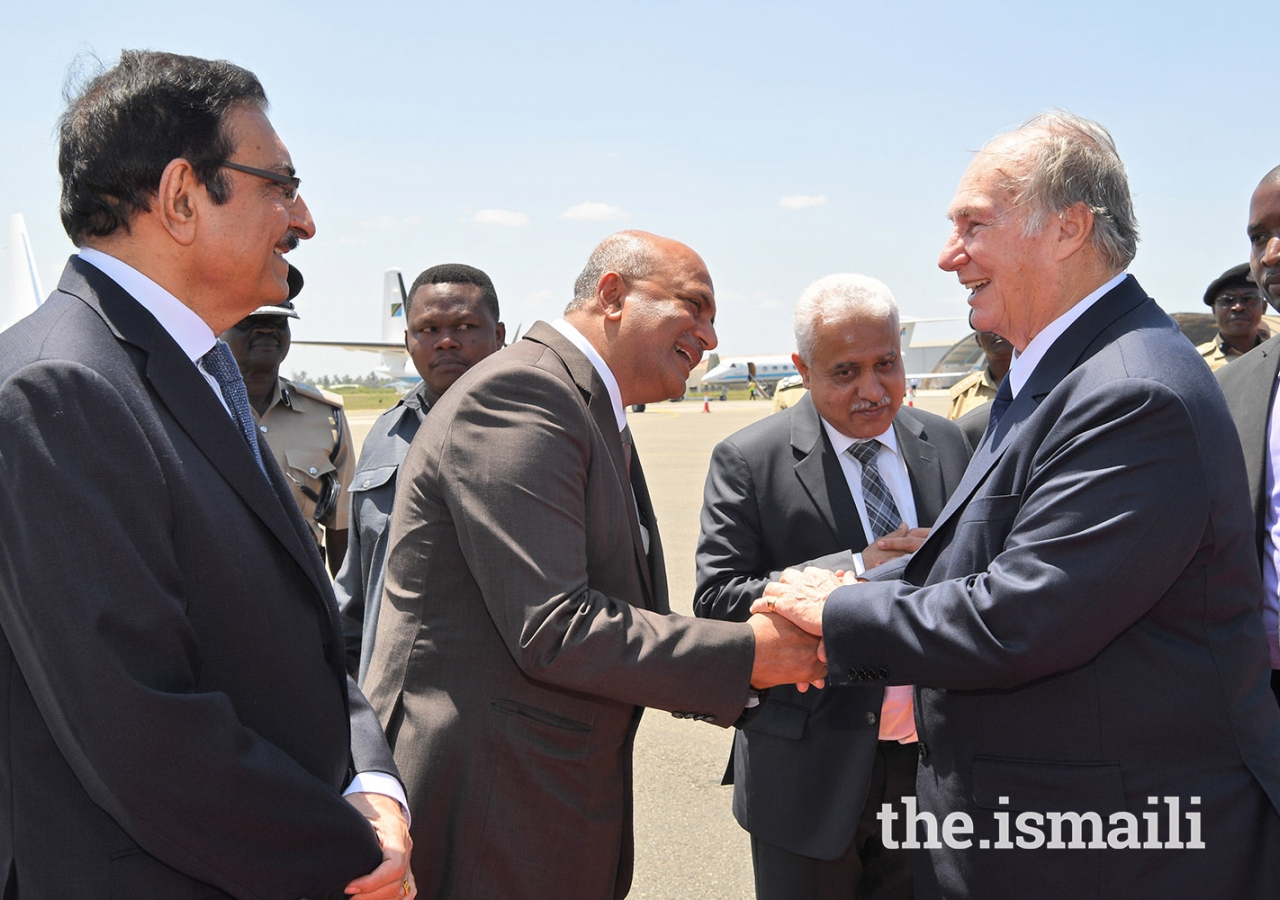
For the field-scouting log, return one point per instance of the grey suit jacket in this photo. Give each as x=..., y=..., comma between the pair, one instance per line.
x=777, y=497
x=523, y=628
x=358, y=584
x=175, y=720
x=1084, y=627
x=1249, y=384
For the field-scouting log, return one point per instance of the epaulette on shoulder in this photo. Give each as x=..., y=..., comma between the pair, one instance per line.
x=966, y=382
x=316, y=393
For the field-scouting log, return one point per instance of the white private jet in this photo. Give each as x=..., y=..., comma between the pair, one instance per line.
x=767, y=370
x=23, y=292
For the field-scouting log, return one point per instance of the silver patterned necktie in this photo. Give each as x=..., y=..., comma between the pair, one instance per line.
x=219, y=363
x=881, y=510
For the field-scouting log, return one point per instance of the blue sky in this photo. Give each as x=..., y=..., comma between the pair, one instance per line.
x=434, y=132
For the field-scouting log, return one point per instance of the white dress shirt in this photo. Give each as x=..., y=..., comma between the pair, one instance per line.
x=897, y=719
x=576, y=337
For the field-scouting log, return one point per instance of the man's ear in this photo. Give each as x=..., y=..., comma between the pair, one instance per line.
x=179, y=201
x=802, y=369
x=1074, y=229
x=611, y=292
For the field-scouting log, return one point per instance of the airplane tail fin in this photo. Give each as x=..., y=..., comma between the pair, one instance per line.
x=24, y=293
x=393, y=301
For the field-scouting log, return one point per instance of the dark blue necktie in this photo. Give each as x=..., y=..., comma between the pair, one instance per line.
x=219, y=363
x=1004, y=396
x=882, y=512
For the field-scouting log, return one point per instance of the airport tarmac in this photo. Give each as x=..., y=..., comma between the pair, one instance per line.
x=687, y=842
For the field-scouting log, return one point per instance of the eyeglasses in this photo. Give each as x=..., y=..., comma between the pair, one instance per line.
x=290, y=183
x=1226, y=301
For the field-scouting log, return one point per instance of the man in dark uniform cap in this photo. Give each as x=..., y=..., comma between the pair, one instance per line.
x=304, y=426
x=1237, y=306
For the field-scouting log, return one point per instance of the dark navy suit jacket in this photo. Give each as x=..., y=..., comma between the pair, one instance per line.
x=175, y=713
x=1084, y=627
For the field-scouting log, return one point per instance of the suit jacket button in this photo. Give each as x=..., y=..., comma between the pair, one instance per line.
x=924, y=749
x=883, y=672
x=871, y=718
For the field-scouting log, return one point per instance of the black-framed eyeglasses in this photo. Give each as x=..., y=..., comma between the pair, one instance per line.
x=290, y=183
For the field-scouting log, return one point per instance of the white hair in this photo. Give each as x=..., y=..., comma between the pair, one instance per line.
x=1070, y=160
x=837, y=298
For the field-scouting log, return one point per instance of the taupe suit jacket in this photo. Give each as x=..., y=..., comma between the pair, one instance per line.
x=523, y=628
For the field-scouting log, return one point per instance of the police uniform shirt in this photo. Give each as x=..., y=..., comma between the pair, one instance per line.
x=970, y=392
x=1217, y=352
x=300, y=428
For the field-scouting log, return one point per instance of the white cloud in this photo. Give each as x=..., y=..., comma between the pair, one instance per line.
x=802, y=201
x=382, y=223
x=504, y=217
x=588, y=211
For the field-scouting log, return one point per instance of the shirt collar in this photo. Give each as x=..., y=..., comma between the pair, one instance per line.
x=1024, y=363
x=575, y=337
x=188, y=330
x=842, y=442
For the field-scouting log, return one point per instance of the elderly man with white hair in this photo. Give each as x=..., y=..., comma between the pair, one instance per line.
x=845, y=479
x=1084, y=621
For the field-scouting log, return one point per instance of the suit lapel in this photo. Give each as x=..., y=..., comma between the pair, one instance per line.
x=924, y=469
x=190, y=400
x=600, y=406
x=654, y=565
x=821, y=476
x=1251, y=418
x=1075, y=345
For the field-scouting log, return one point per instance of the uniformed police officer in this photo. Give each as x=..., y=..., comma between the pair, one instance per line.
x=1237, y=308
x=304, y=426
x=452, y=322
x=980, y=387
x=788, y=392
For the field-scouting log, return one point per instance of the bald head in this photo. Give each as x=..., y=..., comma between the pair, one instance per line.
x=647, y=305
x=631, y=254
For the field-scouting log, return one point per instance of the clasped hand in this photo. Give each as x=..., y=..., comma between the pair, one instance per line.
x=799, y=597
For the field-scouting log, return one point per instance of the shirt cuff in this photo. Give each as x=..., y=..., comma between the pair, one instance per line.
x=380, y=783
x=858, y=565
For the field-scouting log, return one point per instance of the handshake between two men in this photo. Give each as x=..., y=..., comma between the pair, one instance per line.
x=794, y=604
x=791, y=609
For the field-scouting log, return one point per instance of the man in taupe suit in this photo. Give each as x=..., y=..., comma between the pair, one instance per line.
x=525, y=620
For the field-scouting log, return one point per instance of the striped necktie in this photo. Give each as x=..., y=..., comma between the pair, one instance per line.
x=881, y=510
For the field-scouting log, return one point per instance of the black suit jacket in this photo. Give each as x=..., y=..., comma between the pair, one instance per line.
x=175, y=713
x=1084, y=628
x=775, y=497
